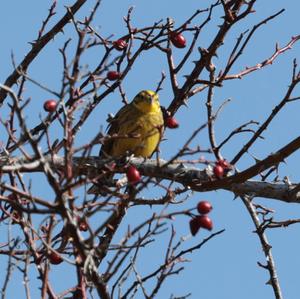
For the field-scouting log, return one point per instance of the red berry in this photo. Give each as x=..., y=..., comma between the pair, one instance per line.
x=204, y=207
x=194, y=226
x=83, y=226
x=54, y=258
x=171, y=122
x=120, y=44
x=113, y=75
x=224, y=163
x=50, y=105
x=205, y=222
x=218, y=171
x=178, y=40
x=133, y=175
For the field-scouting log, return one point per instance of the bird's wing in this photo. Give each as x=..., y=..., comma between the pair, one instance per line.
x=122, y=119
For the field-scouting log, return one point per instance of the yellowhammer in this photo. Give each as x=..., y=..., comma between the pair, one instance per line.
x=136, y=129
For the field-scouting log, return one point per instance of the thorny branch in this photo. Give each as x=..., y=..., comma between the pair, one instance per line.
x=84, y=230
x=270, y=263
x=38, y=45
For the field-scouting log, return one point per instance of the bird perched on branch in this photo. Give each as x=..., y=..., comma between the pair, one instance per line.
x=136, y=129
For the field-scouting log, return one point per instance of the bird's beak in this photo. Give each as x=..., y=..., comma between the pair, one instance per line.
x=153, y=99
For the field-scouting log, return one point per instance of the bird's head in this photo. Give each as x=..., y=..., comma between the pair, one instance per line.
x=147, y=101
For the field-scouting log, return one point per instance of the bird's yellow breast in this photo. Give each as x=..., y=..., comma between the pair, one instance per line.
x=139, y=136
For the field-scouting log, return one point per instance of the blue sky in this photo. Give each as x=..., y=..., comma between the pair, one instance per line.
x=226, y=267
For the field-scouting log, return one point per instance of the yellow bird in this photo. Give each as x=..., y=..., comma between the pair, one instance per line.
x=136, y=129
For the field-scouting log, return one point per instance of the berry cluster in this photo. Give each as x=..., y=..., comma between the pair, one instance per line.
x=221, y=167
x=119, y=45
x=176, y=38
x=202, y=220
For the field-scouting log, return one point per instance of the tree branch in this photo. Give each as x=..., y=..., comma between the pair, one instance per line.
x=200, y=180
x=38, y=46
